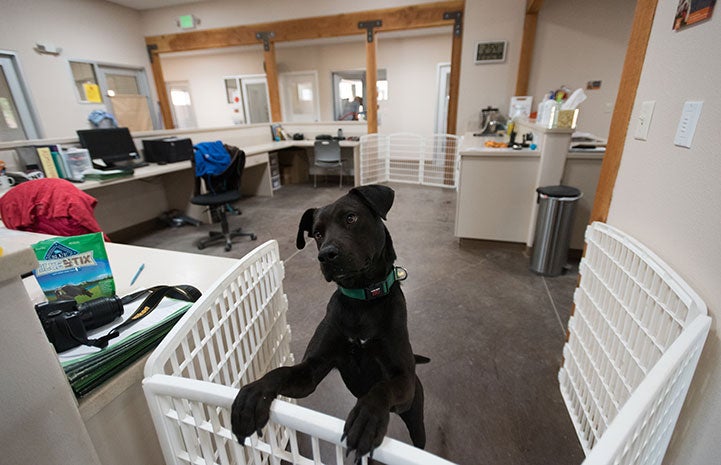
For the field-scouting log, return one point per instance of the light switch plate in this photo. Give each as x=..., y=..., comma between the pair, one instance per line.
x=687, y=126
x=644, y=120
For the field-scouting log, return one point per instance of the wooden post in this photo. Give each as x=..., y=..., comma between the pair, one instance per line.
x=455, y=79
x=271, y=75
x=371, y=103
x=527, y=43
x=160, y=88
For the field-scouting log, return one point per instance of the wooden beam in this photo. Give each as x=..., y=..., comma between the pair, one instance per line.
x=533, y=6
x=630, y=76
x=271, y=76
x=161, y=90
x=371, y=103
x=394, y=19
x=455, y=79
x=527, y=44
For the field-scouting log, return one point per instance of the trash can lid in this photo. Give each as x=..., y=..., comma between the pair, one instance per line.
x=559, y=191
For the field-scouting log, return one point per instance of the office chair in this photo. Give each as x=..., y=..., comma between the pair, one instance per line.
x=221, y=191
x=327, y=156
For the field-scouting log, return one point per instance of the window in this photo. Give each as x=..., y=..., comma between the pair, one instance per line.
x=349, y=93
x=17, y=119
x=248, y=97
x=86, y=82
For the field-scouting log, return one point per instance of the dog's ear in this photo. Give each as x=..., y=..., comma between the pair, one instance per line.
x=306, y=224
x=378, y=198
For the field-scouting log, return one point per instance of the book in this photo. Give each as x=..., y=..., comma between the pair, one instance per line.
x=58, y=160
x=46, y=160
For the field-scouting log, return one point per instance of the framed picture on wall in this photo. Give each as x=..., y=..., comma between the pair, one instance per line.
x=491, y=51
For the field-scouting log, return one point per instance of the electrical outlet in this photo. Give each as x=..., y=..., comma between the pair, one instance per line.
x=687, y=126
x=644, y=120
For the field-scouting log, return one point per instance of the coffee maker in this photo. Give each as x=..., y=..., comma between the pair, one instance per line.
x=492, y=121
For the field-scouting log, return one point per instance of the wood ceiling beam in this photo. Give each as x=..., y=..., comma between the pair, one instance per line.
x=394, y=19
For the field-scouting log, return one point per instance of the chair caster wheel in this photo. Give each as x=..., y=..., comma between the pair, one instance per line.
x=253, y=237
x=227, y=247
x=201, y=246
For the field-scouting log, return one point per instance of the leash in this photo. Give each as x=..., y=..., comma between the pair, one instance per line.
x=376, y=290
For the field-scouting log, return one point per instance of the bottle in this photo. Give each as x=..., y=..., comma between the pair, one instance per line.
x=547, y=110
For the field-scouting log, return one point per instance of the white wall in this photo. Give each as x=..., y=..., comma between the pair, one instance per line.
x=577, y=42
x=669, y=198
x=86, y=30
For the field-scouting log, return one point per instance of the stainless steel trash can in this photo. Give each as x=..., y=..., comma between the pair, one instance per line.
x=556, y=208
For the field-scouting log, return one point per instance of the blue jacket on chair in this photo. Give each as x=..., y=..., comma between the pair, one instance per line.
x=210, y=158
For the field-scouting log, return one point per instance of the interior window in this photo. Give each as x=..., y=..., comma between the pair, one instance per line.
x=349, y=93
x=17, y=120
x=86, y=82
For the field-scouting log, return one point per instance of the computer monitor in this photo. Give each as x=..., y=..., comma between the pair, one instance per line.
x=112, y=145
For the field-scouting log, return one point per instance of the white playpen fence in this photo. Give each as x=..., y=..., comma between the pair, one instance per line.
x=410, y=158
x=635, y=338
x=231, y=336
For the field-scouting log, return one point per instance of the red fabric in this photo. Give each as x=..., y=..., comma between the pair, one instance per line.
x=49, y=206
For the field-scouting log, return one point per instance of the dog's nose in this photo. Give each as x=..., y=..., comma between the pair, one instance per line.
x=327, y=254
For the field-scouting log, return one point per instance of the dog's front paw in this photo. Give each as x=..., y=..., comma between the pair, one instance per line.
x=251, y=410
x=365, y=427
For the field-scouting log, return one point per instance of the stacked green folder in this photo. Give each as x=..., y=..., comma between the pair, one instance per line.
x=87, y=372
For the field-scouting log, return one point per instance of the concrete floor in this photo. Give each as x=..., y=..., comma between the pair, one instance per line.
x=493, y=330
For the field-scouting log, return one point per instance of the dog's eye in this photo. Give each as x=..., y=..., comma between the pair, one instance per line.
x=351, y=218
x=318, y=235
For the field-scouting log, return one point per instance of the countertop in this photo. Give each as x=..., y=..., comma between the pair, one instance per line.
x=474, y=146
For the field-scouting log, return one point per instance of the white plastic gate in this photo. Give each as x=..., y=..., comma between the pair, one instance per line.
x=410, y=158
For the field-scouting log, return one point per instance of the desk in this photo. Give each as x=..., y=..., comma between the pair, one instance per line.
x=42, y=421
x=154, y=189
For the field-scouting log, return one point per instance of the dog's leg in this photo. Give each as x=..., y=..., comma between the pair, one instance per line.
x=413, y=418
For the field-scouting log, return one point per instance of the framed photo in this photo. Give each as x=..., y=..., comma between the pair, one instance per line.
x=491, y=51
x=692, y=11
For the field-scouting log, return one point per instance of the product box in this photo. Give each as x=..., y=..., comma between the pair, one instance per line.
x=167, y=150
x=74, y=267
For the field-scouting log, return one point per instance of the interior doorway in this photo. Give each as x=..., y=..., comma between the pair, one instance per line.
x=16, y=116
x=181, y=105
x=443, y=96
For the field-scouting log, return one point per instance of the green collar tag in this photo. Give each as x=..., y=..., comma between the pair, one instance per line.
x=376, y=290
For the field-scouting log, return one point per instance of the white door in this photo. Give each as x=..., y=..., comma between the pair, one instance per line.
x=299, y=96
x=181, y=105
x=442, y=97
x=257, y=105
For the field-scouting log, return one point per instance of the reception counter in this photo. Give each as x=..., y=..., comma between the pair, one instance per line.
x=496, y=197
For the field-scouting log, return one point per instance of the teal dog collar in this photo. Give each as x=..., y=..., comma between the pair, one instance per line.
x=376, y=290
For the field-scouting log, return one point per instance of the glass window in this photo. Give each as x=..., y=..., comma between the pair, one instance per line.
x=86, y=82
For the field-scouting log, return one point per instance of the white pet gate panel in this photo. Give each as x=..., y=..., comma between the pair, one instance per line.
x=634, y=341
x=233, y=335
x=410, y=158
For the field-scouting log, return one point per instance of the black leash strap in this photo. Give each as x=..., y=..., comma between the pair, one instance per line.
x=150, y=303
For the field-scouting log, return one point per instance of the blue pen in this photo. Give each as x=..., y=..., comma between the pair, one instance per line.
x=137, y=273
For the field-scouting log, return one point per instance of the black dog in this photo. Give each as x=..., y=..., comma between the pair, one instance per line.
x=363, y=334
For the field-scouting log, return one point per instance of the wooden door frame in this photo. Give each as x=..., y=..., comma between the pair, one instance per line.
x=424, y=15
x=630, y=76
